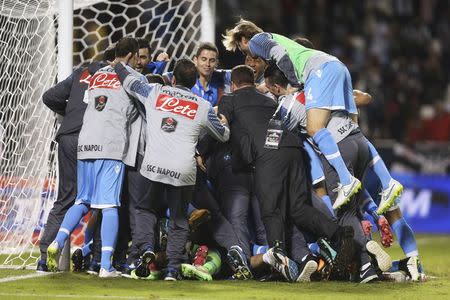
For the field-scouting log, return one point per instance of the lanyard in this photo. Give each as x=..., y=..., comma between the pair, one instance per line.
x=279, y=107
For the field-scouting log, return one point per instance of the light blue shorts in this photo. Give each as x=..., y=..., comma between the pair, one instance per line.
x=315, y=165
x=99, y=182
x=330, y=87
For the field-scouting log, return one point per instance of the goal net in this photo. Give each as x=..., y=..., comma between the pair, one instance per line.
x=28, y=67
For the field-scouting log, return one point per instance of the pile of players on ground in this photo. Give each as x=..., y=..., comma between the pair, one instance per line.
x=283, y=186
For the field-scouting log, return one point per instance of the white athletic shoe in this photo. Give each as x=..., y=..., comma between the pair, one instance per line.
x=388, y=196
x=345, y=192
x=384, y=261
x=394, y=276
x=53, y=253
x=307, y=268
x=283, y=264
x=413, y=268
x=108, y=274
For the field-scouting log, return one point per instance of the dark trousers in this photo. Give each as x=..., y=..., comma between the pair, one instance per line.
x=296, y=243
x=355, y=154
x=234, y=194
x=96, y=248
x=283, y=191
x=221, y=229
x=257, y=229
x=67, y=189
x=135, y=188
x=158, y=198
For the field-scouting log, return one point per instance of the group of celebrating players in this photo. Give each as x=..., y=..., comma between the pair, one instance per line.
x=256, y=172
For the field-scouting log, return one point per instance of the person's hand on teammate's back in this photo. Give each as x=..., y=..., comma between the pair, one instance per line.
x=223, y=120
x=200, y=163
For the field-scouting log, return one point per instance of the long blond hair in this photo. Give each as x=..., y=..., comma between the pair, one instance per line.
x=242, y=29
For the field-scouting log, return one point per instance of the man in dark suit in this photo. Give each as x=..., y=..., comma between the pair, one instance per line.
x=258, y=139
x=67, y=98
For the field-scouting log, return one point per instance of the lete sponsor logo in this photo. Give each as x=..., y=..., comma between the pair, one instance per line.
x=85, y=77
x=104, y=81
x=178, y=106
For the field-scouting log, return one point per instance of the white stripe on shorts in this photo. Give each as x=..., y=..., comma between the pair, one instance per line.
x=100, y=206
x=318, y=180
x=81, y=201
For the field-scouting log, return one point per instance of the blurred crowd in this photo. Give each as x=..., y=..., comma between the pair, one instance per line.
x=397, y=50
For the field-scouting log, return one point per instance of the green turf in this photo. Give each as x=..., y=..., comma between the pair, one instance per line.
x=8, y=273
x=80, y=286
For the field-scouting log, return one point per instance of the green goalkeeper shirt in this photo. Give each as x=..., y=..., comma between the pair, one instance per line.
x=294, y=60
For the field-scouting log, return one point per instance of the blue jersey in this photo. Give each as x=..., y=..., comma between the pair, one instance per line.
x=219, y=83
x=157, y=67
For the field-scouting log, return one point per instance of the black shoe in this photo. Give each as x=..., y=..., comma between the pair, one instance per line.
x=272, y=276
x=326, y=252
x=93, y=268
x=172, y=275
x=78, y=260
x=368, y=275
x=120, y=267
x=142, y=269
x=126, y=271
x=42, y=266
x=345, y=249
x=307, y=267
x=238, y=263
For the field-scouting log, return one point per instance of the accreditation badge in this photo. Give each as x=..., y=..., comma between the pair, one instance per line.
x=274, y=134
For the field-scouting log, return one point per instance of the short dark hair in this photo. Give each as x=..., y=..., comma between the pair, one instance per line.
x=126, y=45
x=185, y=73
x=304, y=42
x=242, y=74
x=206, y=46
x=155, y=78
x=110, y=53
x=143, y=43
x=275, y=75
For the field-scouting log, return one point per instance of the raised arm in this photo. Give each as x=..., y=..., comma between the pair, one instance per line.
x=133, y=85
x=262, y=45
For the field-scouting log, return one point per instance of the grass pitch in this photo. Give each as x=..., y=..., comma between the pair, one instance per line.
x=433, y=251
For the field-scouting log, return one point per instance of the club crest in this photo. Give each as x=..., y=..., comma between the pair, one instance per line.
x=100, y=102
x=169, y=124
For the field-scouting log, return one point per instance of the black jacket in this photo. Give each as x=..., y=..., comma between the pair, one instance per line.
x=66, y=98
x=248, y=113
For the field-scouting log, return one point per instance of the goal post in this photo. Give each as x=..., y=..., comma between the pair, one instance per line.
x=34, y=56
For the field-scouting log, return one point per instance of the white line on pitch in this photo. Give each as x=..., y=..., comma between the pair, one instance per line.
x=14, y=278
